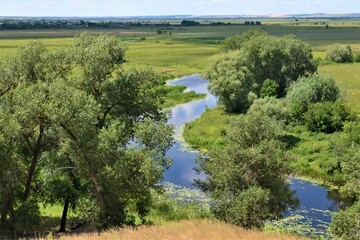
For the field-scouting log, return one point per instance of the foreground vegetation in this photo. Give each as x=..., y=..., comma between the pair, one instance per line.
x=191, y=229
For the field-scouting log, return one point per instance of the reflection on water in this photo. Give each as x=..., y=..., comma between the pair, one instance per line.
x=181, y=172
x=316, y=205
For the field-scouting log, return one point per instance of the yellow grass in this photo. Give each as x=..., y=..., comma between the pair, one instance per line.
x=185, y=230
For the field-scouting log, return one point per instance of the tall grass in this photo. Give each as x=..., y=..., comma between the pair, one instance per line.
x=186, y=230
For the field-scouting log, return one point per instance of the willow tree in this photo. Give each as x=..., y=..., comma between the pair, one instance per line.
x=99, y=134
x=238, y=75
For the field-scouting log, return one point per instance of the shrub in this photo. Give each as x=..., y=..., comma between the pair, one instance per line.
x=307, y=90
x=340, y=54
x=269, y=88
x=346, y=223
x=271, y=107
x=327, y=117
x=357, y=57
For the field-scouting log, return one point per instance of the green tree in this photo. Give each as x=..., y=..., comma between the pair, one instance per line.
x=328, y=117
x=309, y=90
x=237, y=42
x=231, y=80
x=340, y=54
x=346, y=223
x=237, y=77
x=247, y=180
x=98, y=137
x=272, y=107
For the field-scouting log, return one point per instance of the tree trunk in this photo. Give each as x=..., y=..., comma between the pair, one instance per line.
x=64, y=215
x=4, y=213
x=36, y=154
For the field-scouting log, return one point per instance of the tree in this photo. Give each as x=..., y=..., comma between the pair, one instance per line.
x=236, y=42
x=231, y=80
x=327, y=117
x=271, y=107
x=98, y=137
x=309, y=90
x=340, y=54
x=247, y=180
x=261, y=57
x=346, y=223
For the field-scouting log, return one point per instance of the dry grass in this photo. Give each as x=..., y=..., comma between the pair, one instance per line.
x=194, y=229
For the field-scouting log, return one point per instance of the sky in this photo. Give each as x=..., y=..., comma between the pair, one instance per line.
x=172, y=7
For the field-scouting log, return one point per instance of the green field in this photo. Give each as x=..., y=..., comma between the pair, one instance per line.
x=189, y=46
x=185, y=50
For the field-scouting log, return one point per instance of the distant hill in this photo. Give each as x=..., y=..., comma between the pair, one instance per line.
x=199, y=17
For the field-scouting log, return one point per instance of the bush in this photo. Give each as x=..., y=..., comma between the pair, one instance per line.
x=307, y=90
x=271, y=107
x=327, y=117
x=346, y=223
x=340, y=54
x=357, y=57
x=269, y=88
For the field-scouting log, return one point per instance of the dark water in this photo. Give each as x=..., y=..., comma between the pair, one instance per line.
x=316, y=203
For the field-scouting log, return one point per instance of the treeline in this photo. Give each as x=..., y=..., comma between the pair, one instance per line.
x=72, y=24
x=13, y=24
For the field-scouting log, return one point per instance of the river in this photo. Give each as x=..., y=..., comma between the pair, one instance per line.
x=312, y=216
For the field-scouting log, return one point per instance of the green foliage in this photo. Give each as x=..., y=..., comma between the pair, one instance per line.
x=282, y=59
x=327, y=117
x=231, y=80
x=357, y=57
x=271, y=107
x=250, y=208
x=179, y=203
x=340, y=54
x=346, y=223
x=99, y=137
x=238, y=41
x=249, y=172
x=27, y=215
x=351, y=168
x=309, y=90
x=269, y=88
x=237, y=77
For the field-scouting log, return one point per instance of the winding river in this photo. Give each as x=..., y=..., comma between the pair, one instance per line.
x=316, y=203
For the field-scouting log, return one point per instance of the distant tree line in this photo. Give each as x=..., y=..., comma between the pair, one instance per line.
x=73, y=24
x=21, y=24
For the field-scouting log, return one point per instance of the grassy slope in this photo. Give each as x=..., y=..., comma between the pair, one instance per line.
x=191, y=229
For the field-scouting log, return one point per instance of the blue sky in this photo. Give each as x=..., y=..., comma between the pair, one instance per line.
x=172, y=7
